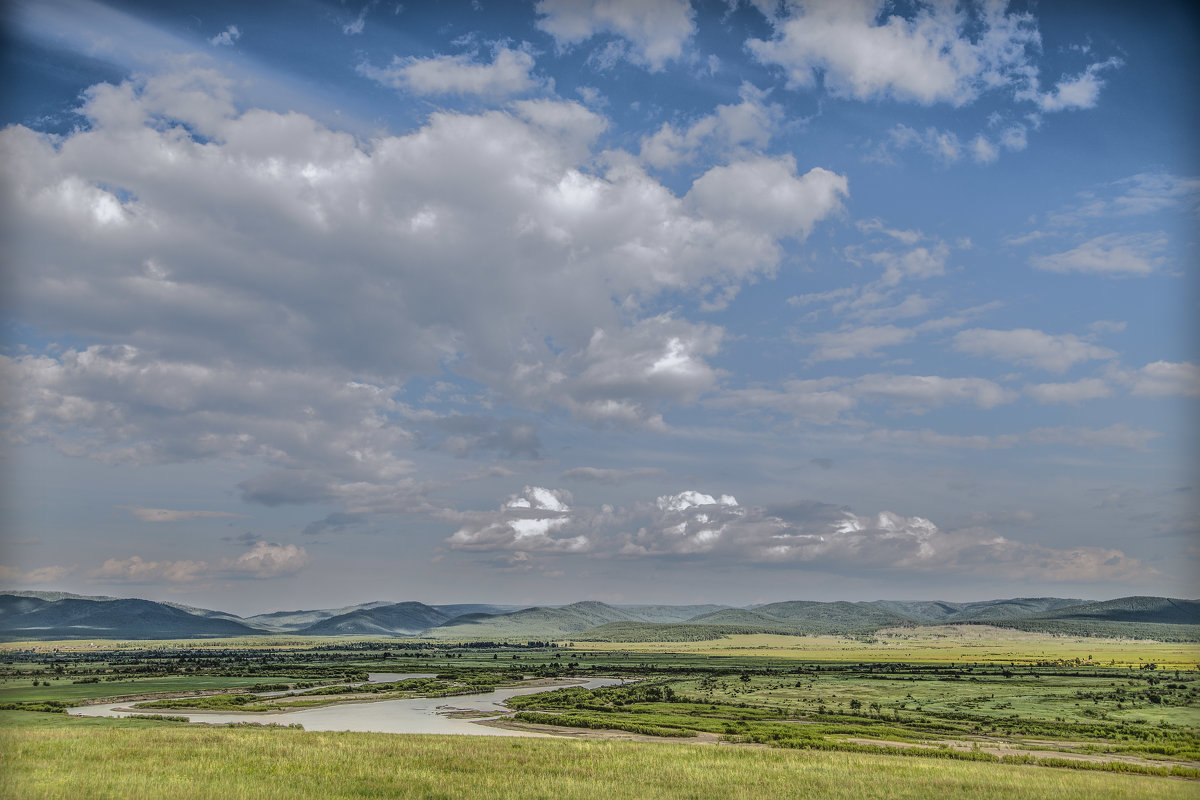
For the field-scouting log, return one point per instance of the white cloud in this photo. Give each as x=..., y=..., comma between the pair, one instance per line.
x=983, y=151
x=842, y=541
x=1111, y=254
x=943, y=53
x=169, y=515
x=656, y=30
x=943, y=146
x=1072, y=393
x=1136, y=195
x=922, y=392
x=200, y=268
x=267, y=560
x=1080, y=91
x=262, y=560
x=508, y=73
x=1055, y=353
x=227, y=37
x=865, y=342
x=530, y=521
x=136, y=570
x=1014, y=137
x=820, y=401
x=626, y=376
x=697, y=526
x=751, y=122
x=1162, y=379
x=919, y=263
x=767, y=196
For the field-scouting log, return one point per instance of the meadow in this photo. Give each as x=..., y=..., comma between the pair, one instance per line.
x=963, y=711
x=49, y=756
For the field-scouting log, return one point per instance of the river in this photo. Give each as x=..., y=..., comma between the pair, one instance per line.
x=411, y=715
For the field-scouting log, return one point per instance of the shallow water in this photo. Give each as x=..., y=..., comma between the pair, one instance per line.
x=413, y=715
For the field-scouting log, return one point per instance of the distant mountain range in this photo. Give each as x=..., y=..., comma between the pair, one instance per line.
x=59, y=615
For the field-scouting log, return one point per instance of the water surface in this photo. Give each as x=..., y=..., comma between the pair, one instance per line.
x=411, y=715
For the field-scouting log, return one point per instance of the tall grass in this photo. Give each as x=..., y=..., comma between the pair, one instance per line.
x=46, y=756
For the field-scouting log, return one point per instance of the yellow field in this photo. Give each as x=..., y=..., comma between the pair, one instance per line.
x=946, y=643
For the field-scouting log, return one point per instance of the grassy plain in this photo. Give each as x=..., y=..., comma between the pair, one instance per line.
x=14, y=690
x=935, y=644
x=51, y=756
x=955, y=711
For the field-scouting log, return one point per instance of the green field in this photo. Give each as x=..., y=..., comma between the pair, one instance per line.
x=960, y=711
x=942, y=643
x=48, y=756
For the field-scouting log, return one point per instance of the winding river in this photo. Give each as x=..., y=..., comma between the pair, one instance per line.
x=411, y=715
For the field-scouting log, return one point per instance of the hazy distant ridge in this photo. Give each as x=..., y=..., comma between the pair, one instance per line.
x=59, y=615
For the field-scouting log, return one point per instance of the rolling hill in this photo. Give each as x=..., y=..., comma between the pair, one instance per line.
x=72, y=618
x=60, y=615
x=398, y=618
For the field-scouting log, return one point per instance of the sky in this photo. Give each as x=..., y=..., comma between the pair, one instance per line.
x=312, y=303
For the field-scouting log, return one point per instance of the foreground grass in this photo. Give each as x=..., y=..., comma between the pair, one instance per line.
x=50, y=756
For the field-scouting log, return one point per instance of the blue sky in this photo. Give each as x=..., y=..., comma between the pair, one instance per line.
x=317, y=303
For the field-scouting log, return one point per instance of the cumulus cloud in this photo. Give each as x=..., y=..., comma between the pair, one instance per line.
x=1110, y=254
x=750, y=123
x=212, y=257
x=509, y=73
x=267, y=560
x=1054, y=353
x=655, y=30
x=767, y=196
x=941, y=53
x=530, y=521
x=170, y=515
x=697, y=525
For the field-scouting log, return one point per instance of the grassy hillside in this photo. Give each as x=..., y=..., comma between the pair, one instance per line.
x=1132, y=609
x=398, y=618
x=33, y=618
x=290, y=621
x=534, y=623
